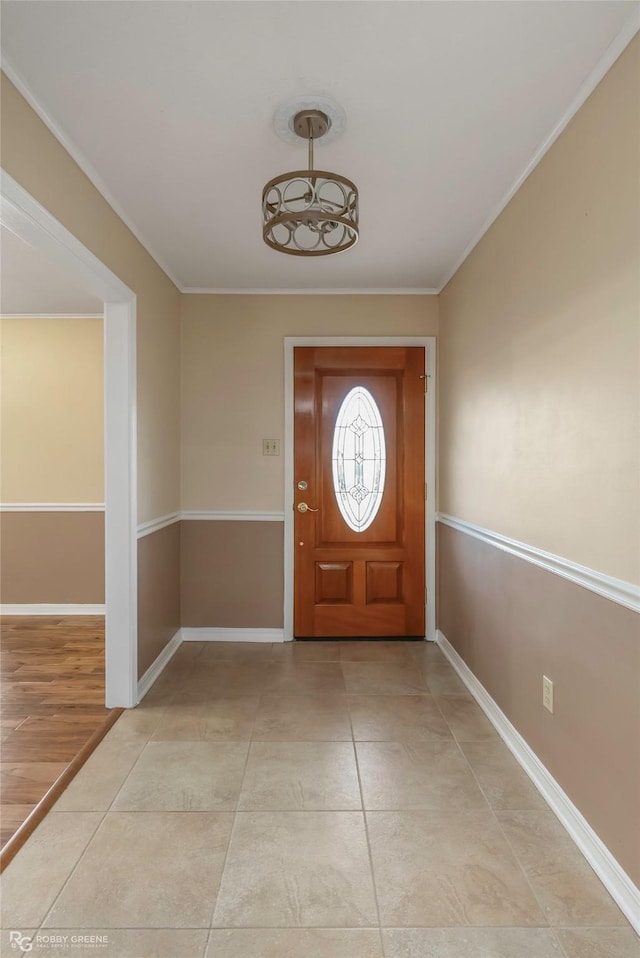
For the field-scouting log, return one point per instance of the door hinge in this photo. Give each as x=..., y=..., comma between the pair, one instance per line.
x=425, y=378
x=425, y=490
x=426, y=597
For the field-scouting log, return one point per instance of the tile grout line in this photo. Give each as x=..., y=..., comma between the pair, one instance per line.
x=104, y=814
x=502, y=832
x=128, y=775
x=204, y=929
x=235, y=814
x=563, y=953
x=497, y=821
x=517, y=858
x=366, y=828
x=208, y=931
x=41, y=924
x=456, y=742
x=524, y=872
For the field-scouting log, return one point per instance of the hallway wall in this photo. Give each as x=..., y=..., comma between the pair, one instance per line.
x=232, y=399
x=51, y=458
x=35, y=158
x=539, y=349
x=538, y=374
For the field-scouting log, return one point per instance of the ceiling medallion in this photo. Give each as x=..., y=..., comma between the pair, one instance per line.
x=310, y=212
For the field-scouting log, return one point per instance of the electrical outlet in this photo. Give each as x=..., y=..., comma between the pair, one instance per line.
x=270, y=447
x=547, y=693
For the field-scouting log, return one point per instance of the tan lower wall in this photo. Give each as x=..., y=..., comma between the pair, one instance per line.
x=158, y=593
x=52, y=557
x=512, y=622
x=232, y=574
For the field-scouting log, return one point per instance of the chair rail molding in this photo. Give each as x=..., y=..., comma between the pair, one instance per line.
x=206, y=515
x=51, y=506
x=154, y=525
x=624, y=593
x=244, y=515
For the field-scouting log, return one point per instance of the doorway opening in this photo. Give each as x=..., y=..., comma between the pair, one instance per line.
x=30, y=221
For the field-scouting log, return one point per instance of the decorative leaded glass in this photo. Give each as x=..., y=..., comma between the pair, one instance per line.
x=358, y=459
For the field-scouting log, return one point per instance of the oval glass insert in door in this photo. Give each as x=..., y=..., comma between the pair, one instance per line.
x=358, y=459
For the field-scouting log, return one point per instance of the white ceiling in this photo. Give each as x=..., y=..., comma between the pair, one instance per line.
x=169, y=105
x=31, y=283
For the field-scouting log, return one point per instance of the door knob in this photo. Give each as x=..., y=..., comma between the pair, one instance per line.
x=303, y=507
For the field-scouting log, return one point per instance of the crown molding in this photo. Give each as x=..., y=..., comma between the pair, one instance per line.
x=390, y=291
x=604, y=64
x=87, y=168
x=611, y=54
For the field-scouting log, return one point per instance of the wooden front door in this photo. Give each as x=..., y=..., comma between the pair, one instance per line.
x=359, y=491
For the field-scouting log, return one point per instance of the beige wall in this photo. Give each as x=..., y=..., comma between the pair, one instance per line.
x=233, y=382
x=32, y=156
x=51, y=410
x=538, y=404
x=538, y=353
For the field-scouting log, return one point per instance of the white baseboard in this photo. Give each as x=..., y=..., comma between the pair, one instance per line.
x=156, y=667
x=608, y=870
x=232, y=635
x=51, y=609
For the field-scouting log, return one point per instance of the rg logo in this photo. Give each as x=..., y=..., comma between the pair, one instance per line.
x=20, y=941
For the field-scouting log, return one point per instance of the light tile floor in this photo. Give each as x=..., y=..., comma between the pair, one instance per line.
x=310, y=800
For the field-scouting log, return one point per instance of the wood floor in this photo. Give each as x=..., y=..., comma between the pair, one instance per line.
x=51, y=703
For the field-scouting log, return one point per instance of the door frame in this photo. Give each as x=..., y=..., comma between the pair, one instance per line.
x=29, y=220
x=429, y=345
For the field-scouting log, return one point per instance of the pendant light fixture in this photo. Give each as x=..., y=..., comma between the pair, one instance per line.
x=310, y=212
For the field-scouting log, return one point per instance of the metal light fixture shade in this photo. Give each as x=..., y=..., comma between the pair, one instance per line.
x=310, y=212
